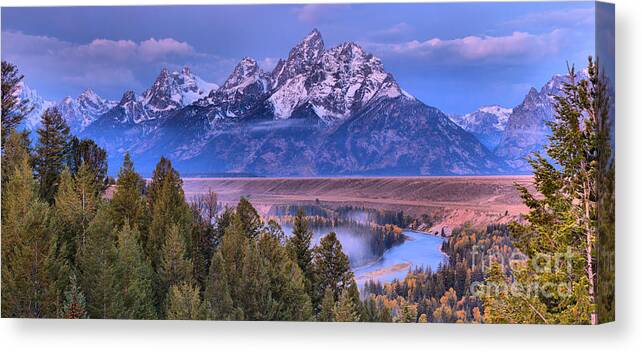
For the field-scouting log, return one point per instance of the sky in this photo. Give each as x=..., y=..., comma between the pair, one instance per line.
x=454, y=56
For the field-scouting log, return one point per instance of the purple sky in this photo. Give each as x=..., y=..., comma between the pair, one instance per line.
x=454, y=56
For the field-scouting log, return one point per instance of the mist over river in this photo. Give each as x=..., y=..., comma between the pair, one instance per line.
x=418, y=250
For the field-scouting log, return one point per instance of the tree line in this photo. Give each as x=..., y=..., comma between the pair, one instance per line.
x=146, y=253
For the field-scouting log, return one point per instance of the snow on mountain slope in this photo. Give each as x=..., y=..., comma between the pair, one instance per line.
x=174, y=90
x=334, y=82
x=39, y=104
x=486, y=123
x=78, y=112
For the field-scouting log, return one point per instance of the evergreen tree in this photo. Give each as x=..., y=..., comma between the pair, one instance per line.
x=250, y=219
x=75, y=205
x=217, y=300
x=562, y=221
x=51, y=152
x=254, y=291
x=287, y=297
x=14, y=109
x=128, y=204
x=345, y=311
x=97, y=262
x=74, y=306
x=331, y=267
x=353, y=291
x=327, y=306
x=27, y=289
x=174, y=267
x=86, y=152
x=168, y=208
x=184, y=303
x=233, y=250
x=14, y=149
x=299, y=247
x=204, y=241
x=136, y=274
x=408, y=313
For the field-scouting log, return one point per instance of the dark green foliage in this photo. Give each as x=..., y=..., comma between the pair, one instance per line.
x=51, y=152
x=136, y=275
x=87, y=152
x=331, y=268
x=128, y=204
x=14, y=109
x=168, y=208
x=27, y=256
x=250, y=219
x=217, y=299
x=204, y=237
x=97, y=262
x=299, y=248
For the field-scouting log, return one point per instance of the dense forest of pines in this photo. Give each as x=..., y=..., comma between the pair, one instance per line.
x=146, y=253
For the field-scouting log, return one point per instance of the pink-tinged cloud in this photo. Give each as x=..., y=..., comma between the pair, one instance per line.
x=516, y=46
x=152, y=49
x=100, y=62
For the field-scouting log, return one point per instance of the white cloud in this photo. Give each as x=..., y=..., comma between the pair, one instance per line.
x=152, y=49
x=100, y=62
x=516, y=46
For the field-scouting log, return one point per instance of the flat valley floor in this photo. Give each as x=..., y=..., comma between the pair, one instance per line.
x=454, y=200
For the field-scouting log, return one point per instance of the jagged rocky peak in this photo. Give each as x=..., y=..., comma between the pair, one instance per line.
x=246, y=72
x=175, y=90
x=245, y=87
x=301, y=58
x=128, y=97
x=334, y=85
x=89, y=100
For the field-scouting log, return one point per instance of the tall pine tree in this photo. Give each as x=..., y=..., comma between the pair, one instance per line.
x=299, y=248
x=14, y=109
x=51, y=152
x=562, y=222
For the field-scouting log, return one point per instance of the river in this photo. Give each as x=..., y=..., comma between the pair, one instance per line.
x=419, y=249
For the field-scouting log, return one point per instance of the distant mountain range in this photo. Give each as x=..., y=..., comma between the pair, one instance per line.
x=319, y=112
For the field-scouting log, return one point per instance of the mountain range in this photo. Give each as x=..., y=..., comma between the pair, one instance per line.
x=320, y=112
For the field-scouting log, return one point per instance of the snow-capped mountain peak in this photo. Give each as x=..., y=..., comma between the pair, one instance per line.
x=174, y=90
x=39, y=104
x=487, y=123
x=301, y=58
x=334, y=82
x=245, y=73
